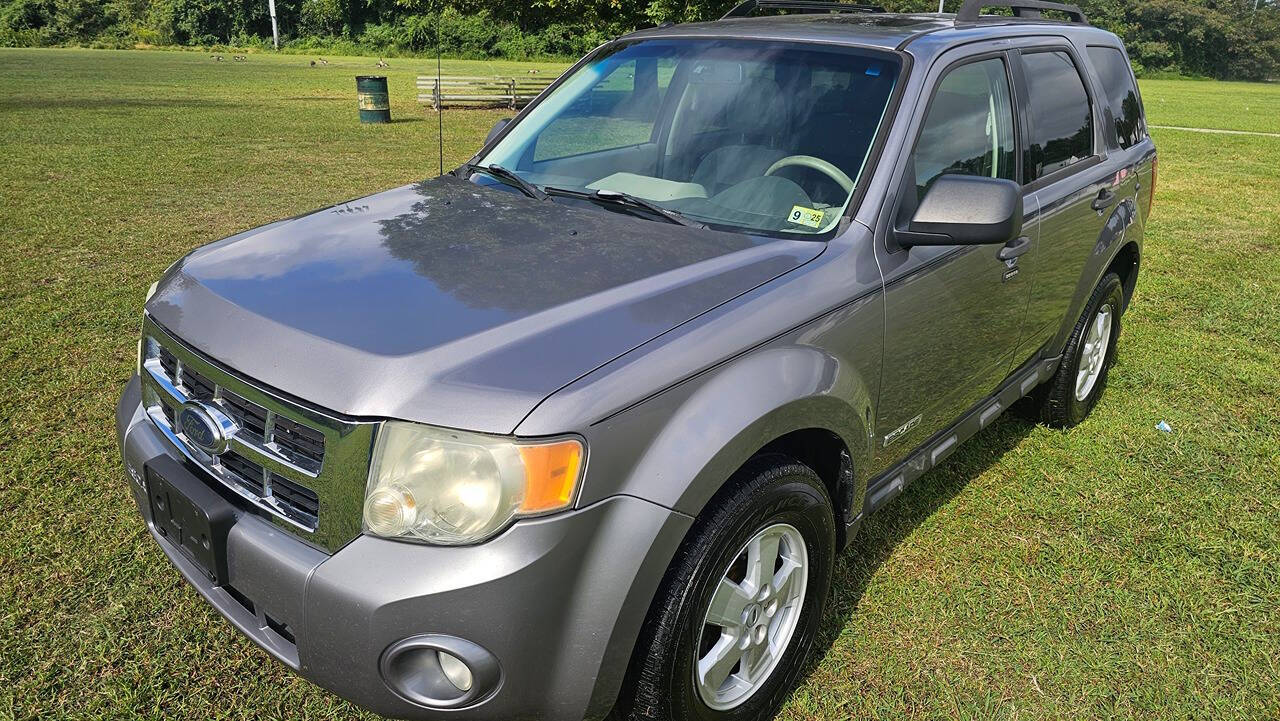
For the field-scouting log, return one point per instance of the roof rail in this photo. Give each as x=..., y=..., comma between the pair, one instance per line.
x=806, y=6
x=970, y=12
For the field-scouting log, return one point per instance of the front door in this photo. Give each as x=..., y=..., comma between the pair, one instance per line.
x=953, y=313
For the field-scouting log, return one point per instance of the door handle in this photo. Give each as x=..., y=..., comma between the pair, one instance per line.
x=1104, y=200
x=1014, y=248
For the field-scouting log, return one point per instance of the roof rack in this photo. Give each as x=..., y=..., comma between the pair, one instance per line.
x=970, y=12
x=805, y=6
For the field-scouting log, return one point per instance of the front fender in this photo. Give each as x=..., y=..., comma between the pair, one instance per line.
x=679, y=447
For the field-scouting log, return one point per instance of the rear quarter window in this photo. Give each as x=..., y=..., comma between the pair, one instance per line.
x=1061, y=118
x=1122, y=94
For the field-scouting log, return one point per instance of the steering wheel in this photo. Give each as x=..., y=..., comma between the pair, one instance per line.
x=818, y=164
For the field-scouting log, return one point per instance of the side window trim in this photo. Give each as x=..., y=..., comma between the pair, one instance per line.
x=1099, y=143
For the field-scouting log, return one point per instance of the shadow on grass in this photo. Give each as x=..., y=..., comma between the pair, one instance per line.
x=888, y=527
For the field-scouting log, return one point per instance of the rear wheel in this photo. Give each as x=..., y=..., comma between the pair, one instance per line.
x=1068, y=397
x=737, y=612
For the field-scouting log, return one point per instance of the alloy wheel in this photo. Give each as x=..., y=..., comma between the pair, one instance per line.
x=752, y=617
x=1094, y=354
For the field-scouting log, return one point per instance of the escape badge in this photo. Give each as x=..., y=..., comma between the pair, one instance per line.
x=808, y=217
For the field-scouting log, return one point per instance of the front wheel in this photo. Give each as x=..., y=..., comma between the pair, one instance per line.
x=1068, y=397
x=729, y=630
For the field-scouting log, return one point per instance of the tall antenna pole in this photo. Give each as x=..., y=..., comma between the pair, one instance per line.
x=275, y=29
x=439, y=101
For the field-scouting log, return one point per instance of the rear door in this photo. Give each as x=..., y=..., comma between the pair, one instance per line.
x=1075, y=183
x=1124, y=129
x=953, y=313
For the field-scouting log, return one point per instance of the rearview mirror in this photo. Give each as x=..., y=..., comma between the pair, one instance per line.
x=498, y=127
x=965, y=210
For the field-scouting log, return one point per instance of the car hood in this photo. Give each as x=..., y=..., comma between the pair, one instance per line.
x=450, y=303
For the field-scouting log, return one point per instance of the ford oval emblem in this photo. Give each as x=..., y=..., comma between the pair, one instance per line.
x=206, y=427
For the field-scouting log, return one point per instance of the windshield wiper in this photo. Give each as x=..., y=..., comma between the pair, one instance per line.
x=627, y=200
x=509, y=177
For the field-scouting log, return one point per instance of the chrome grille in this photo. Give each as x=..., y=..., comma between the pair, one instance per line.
x=304, y=467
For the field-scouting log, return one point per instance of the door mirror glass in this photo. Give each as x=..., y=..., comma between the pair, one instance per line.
x=966, y=210
x=498, y=127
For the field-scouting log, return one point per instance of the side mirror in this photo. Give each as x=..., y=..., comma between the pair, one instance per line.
x=498, y=127
x=965, y=210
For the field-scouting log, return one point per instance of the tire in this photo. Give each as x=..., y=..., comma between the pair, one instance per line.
x=1068, y=397
x=771, y=497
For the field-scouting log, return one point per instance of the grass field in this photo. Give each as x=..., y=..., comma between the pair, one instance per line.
x=1112, y=571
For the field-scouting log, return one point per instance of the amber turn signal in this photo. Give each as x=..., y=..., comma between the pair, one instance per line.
x=551, y=474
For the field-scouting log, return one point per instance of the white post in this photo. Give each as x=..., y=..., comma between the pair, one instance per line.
x=275, y=29
x=940, y=2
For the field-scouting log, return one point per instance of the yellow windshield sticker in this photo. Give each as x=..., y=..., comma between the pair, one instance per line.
x=808, y=217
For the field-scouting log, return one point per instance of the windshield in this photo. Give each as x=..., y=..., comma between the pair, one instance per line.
x=753, y=135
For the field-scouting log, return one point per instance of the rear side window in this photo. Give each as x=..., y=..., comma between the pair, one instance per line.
x=1122, y=94
x=1061, y=119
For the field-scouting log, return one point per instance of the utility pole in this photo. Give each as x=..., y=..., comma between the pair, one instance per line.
x=275, y=29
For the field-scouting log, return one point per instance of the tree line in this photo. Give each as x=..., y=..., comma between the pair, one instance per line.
x=1229, y=39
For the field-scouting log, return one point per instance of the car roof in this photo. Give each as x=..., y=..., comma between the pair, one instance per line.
x=883, y=30
x=877, y=30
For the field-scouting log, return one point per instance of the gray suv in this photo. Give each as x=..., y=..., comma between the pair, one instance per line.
x=579, y=428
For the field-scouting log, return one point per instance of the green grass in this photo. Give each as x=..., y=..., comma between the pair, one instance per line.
x=1111, y=571
x=1213, y=104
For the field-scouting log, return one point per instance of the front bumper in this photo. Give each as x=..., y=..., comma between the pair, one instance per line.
x=558, y=601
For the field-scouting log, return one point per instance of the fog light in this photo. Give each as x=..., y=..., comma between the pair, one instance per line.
x=443, y=672
x=456, y=671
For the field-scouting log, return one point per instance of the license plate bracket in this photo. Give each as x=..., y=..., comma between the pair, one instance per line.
x=190, y=515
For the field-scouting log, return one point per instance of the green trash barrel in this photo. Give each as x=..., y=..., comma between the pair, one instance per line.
x=375, y=105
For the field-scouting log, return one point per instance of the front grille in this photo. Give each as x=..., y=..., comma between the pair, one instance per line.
x=258, y=430
x=251, y=474
x=300, y=444
x=246, y=414
x=283, y=455
x=301, y=499
x=305, y=444
x=196, y=385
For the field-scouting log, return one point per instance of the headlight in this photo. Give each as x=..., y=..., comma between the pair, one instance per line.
x=450, y=487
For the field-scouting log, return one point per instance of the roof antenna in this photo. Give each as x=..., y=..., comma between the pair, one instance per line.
x=439, y=102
